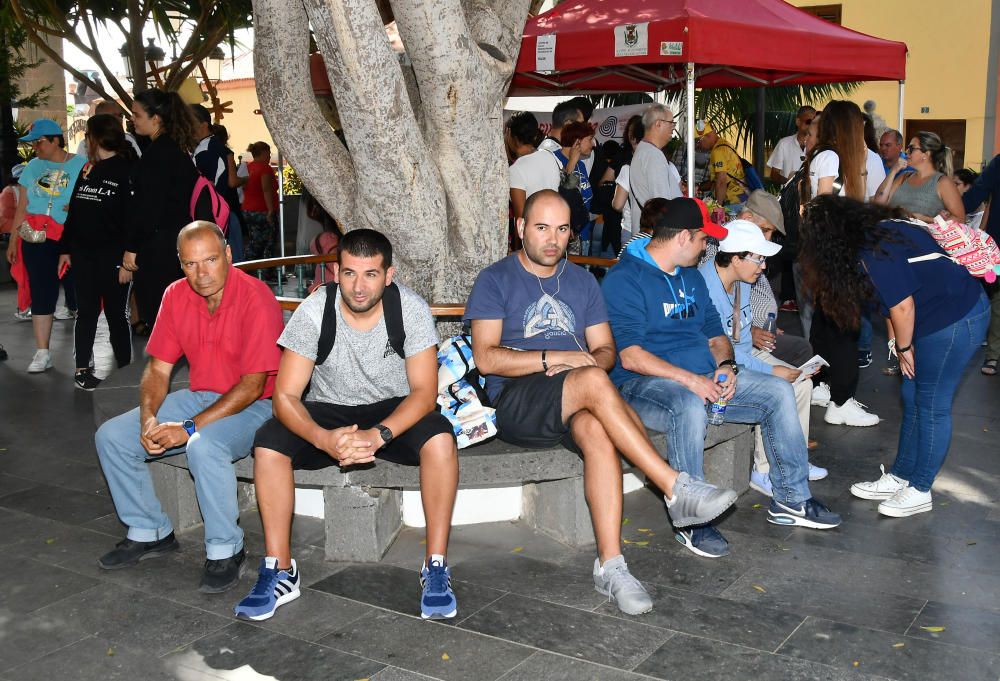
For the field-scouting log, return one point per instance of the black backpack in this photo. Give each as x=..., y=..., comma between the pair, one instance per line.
x=791, y=202
x=392, y=309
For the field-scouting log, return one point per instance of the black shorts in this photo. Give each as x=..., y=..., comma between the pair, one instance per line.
x=404, y=448
x=529, y=412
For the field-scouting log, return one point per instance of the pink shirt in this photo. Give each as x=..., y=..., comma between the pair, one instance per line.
x=240, y=338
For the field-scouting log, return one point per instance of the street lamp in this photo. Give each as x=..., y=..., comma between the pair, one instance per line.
x=153, y=53
x=213, y=63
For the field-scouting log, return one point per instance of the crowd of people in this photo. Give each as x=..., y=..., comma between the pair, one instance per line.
x=680, y=331
x=103, y=222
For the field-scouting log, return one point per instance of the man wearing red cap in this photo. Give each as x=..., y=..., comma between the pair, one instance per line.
x=675, y=358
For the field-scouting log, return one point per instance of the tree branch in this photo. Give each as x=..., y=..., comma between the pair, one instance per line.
x=281, y=66
x=96, y=56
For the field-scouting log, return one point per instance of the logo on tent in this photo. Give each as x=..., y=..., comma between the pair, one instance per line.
x=631, y=35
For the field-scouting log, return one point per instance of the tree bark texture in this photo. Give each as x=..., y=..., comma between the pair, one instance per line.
x=424, y=161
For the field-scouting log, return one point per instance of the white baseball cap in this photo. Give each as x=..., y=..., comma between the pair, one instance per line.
x=745, y=236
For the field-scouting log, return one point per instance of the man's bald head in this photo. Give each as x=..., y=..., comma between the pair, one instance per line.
x=199, y=229
x=542, y=197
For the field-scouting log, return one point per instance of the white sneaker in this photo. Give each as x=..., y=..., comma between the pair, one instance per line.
x=883, y=488
x=42, y=361
x=760, y=482
x=817, y=472
x=821, y=395
x=63, y=313
x=23, y=315
x=907, y=501
x=851, y=413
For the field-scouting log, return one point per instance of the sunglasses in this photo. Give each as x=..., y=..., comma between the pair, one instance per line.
x=910, y=149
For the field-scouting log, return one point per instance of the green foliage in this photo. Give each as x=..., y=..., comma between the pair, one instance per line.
x=293, y=185
x=14, y=65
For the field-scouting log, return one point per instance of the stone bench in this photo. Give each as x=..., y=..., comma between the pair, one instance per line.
x=363, y=505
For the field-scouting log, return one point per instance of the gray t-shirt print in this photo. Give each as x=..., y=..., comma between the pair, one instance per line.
x=362, y=368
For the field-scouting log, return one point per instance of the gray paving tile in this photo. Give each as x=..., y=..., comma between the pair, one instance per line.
x=749, y=624
x=688, y=658
x=55, y=469
x=312, y=615
x=810, y=595
x=134, y=619
x=559, y=668
x=28, y=637
x=568, y=631
x=258, y=653
x=674, y=566
x=108, y=524
x=427, y=647
x=877, y=652
x=393, y=588
x=10, y=484
x=397, y=674
x=35, y=585
x=56, y=543
x=59, y=503
x=569, y=584
x=94, y=658
x=969, y=627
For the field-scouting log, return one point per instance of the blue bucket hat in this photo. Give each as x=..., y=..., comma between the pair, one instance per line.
x=43, y=127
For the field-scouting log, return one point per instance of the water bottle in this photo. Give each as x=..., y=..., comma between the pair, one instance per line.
x=771, y=325
x=717, y=410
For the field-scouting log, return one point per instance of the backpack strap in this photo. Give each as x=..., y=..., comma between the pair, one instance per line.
x=328, y=329
x=392, y=310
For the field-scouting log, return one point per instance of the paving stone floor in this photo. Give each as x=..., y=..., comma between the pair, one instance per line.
x=912, y=599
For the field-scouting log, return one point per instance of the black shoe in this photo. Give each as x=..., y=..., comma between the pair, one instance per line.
x=128, y=552
x=222, y=575
x=864, y=359
x=85, y=380
x=3, y=354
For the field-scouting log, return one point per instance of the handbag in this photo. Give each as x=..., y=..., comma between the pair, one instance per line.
x=29, y=233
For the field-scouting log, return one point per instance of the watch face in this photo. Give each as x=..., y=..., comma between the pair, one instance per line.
x=385, y=433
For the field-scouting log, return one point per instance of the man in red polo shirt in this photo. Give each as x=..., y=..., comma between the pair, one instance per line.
x=226, y=323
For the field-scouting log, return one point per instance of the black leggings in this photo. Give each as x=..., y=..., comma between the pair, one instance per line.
x=840, y=349
x=158, y=269
x=97, y=281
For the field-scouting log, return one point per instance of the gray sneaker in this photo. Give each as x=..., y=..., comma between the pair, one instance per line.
x=696, y=502
x=617, y=583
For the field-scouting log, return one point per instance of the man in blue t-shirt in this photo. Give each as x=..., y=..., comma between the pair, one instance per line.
x=675, y=358
x=541, y=338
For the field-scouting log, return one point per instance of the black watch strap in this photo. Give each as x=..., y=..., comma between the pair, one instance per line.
x=730, y=363
x=385, y=433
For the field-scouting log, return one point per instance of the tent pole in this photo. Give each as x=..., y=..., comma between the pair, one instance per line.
x=900, y=128
x=690, y=128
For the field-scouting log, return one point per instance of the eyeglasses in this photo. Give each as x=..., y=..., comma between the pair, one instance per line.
x=664, y=120
x=757, y=260
x=910, y=149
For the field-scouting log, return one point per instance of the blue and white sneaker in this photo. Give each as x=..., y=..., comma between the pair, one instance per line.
x=810, y=513
x=817, y=473
x=705, y=541
x=438, y=600
x=761, y=482
x=274, y=588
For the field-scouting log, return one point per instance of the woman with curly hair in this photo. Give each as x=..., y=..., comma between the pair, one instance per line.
x=161, y=202
x=853, y=253
x=837, y=165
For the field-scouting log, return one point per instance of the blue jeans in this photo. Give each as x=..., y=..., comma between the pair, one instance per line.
x=210, y=452
x=865, y=332
x=940, y=359
x=668, y=407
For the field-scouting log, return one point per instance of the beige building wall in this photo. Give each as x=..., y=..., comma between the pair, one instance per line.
x=243, y=124
x=46, y=73
x=948, y=68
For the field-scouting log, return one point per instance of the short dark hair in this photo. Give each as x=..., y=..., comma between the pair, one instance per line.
x=584, y=106
x=563, y=113
x=723, y=259
x=524, y=128
x=804, y=108
x=56, y=139
x=258, y=148
x=650, y=211
x=201, y=114
x=966, y=175
x=539, y=195
x=366, y=243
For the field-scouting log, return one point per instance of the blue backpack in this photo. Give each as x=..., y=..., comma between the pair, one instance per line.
x=462, y=395
x=751, y=179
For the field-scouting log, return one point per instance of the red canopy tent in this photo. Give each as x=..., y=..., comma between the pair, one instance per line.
x=598, y=46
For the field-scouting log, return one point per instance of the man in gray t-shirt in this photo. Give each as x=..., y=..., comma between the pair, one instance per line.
x=364, y=401
x=650, y=174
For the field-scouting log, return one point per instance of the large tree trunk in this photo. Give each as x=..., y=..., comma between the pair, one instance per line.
x=426, y=162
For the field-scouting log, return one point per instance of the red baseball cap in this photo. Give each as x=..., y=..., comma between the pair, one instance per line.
x=710, y=227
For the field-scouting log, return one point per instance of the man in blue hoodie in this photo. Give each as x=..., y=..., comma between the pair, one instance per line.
x=675, y=357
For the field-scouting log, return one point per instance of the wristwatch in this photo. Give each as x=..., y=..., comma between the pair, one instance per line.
x=189, y=426
x=385, y=433
x=731, y=363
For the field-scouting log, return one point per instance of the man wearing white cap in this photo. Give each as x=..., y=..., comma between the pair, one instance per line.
x=675, y=357
x=738, y=264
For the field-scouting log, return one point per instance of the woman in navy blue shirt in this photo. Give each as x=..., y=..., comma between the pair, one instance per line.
x=851, y=253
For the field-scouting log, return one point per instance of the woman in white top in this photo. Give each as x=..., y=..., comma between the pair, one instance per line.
x=535, y=169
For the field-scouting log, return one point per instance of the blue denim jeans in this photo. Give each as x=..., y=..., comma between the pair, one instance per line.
x=865, y=333
x=668, y=407
x=940, y=360
x=210, y=452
